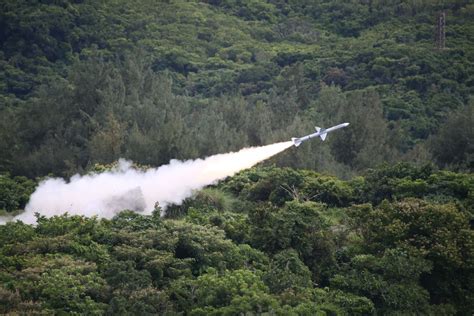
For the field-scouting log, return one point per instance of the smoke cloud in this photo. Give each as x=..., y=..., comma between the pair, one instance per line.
x=108, y=193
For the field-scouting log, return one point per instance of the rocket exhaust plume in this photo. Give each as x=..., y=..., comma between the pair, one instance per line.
x=108, y=193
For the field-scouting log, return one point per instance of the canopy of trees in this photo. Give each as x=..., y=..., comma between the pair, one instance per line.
x=85, y=82
x=91, y=81
x=269, y=240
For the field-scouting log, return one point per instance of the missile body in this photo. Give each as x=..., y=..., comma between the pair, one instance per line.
x=321, y=132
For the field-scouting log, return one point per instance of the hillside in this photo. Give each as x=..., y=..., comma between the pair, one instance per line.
x=269, y=240
x=92, y=81
x=376, y=220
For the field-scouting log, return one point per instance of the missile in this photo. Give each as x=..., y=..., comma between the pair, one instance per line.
x=321, y=132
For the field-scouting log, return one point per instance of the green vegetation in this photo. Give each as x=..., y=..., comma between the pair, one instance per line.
x=353, y=232
x=258, y=243
x=91, y=81
x=14, y=193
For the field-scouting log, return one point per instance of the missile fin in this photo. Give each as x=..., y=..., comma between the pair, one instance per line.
x=323, y=136
x=296, y=141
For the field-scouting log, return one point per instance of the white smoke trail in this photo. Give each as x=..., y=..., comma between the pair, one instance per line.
x=107, y=193
x=5, y=219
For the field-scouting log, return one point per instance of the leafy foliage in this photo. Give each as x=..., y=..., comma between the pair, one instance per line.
x=86, y=82
x=15, y=192
x=248, y=246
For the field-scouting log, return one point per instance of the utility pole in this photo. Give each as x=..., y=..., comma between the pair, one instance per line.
x=440, y=35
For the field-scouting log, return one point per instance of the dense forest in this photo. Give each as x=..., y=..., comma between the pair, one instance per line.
x=92, y=81
x=275, y=241
x=376, y=220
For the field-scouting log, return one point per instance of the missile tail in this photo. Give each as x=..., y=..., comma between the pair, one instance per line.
x=296, y=141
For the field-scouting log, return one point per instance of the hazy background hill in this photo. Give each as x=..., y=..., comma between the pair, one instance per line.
x=92, y=81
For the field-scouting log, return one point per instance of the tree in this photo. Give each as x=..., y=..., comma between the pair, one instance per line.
x=391, y=281
x=439, y=233
x=15, y=192
x=365, y=142
x=453, y=146
x=233, y=292
x=299, y=226
x=287, y=272
x=106, y=145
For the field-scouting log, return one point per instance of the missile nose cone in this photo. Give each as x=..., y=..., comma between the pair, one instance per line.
x=345, y=124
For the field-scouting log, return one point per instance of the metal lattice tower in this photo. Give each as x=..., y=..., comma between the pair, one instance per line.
x=440, y=36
